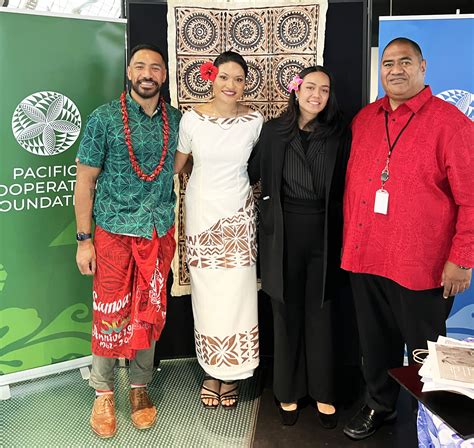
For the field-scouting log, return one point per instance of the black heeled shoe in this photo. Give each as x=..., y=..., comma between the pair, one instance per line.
x=288, y=418
x=231, y=395
x=209, y=394
x=328, y=421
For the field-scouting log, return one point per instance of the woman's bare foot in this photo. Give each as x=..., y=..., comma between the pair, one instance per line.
x=289, y=406
x=210, y=395
x=325, y=408
x=229, y=394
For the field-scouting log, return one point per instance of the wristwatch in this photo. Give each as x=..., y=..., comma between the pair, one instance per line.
x=81, y=236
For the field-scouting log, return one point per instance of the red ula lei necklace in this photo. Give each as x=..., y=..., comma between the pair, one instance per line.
x=126, y=130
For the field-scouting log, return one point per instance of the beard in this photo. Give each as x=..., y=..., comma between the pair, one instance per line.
x=146, y=93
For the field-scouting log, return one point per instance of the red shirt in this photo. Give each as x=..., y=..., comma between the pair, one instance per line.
x=430, y=215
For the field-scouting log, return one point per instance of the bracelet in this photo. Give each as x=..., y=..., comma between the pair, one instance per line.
x=464, y=268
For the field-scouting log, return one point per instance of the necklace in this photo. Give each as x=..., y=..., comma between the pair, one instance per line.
x=228, y=122
x=126, y=130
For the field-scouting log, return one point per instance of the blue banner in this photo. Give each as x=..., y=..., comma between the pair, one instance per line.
x=447, y=43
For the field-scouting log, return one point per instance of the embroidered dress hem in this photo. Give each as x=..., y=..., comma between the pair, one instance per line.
x=221, y=375
x=225, y=312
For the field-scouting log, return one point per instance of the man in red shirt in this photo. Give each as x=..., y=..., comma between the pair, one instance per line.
x=408, y=223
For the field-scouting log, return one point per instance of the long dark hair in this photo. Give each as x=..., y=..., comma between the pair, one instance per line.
x=232, y=56
x=325, y=124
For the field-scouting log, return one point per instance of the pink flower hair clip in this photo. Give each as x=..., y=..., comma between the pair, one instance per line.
x=295, y=83
x=208, y=71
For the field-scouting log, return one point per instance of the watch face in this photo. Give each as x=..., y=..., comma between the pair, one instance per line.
x=83, y=236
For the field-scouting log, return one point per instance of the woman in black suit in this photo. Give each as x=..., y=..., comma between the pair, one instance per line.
x=301, y=161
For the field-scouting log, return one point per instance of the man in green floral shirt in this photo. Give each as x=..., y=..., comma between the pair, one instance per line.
x=125, y=183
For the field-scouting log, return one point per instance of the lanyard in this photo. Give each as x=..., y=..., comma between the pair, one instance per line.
x=385, y=172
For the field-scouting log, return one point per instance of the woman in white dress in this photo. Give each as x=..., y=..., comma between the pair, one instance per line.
x=221, y=230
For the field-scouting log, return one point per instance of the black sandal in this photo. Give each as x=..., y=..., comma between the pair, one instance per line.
x=212, y=395
x=230, y=395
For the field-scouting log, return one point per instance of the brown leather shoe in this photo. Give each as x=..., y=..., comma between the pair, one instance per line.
x=103, y=420
x=143, y=411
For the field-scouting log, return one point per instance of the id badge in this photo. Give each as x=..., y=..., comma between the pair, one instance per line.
x=381, y=202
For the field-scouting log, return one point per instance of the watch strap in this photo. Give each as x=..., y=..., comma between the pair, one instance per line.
x=81, y=236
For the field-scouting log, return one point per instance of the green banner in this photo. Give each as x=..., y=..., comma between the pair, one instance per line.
x=54, y=71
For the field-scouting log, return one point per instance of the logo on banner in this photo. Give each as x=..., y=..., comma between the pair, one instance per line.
x=46, y=123
x=462, y=99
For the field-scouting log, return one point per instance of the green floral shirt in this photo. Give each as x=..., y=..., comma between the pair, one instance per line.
x=125, y=204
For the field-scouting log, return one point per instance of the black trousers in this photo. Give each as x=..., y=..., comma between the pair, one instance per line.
x=303, y=363
x=388, y=316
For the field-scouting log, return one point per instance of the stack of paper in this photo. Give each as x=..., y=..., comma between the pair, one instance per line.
x=449, y=366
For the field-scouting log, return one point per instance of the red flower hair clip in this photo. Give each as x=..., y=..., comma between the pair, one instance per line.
x=208, y=71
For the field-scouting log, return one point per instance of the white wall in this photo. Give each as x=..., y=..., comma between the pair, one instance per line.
x=374, y=73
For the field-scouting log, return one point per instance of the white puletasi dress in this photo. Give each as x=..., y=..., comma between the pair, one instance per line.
x=221, y=245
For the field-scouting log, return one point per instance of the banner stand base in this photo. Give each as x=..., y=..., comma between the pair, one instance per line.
x=25, y=375
x=5, y=392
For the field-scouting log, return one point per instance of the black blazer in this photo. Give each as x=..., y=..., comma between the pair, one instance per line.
x=266, y=164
